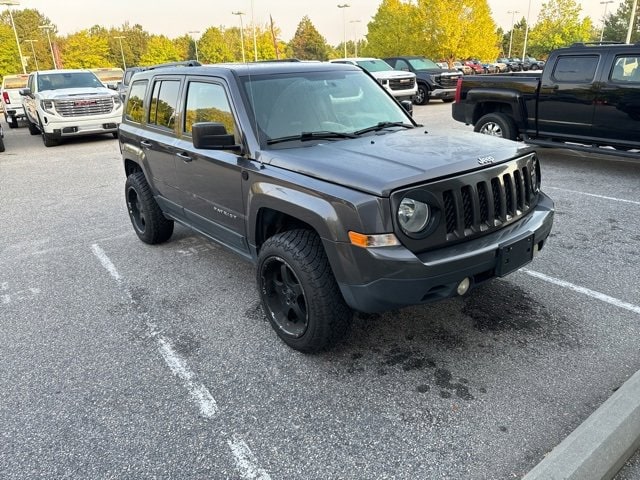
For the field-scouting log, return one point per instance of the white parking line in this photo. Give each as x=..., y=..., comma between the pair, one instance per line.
x=245, y=461
x=585, y=291
x=177, y=365
x=633, y=202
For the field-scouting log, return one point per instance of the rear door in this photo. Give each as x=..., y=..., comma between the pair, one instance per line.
x=567, y=96
x=210, y=181
x=617, y=109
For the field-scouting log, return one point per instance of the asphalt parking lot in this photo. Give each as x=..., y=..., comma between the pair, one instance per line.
x=124, y=360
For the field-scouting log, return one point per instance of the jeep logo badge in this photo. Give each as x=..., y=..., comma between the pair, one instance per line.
x=486, y=160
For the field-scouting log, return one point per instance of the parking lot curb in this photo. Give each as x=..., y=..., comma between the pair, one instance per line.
x=600, y=446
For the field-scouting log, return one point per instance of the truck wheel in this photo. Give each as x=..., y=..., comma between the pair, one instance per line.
x=299, y=293
x=422, y=95
x=33, y=130
x=13, y=122
x=1, y=144
x=497, y=125
x=48, y=140
x=147, y=219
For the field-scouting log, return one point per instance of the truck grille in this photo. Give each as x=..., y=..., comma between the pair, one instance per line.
x=476, y=203
x=402, y=83
x=82, y=107
x=447, y=81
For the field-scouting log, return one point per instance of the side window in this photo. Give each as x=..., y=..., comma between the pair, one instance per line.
x=626, y=69
x=207, y=102
x=135, y=107
x=164, y=100
x=578, y=69
x=401, y=65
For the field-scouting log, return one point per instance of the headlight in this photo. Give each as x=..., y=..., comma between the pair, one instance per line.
x=47, y=106
x=117, y=101
x=413, y=215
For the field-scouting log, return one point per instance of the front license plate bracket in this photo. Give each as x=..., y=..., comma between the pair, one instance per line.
x=514, y=254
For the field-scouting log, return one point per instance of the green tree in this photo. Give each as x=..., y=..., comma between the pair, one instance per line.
x=394, y=30
x=559, y=24
x=307, y=43
x=159, y=50
x=9, y=61
x=616, y=24
x=27, y=22
x=517, y=43
x=213, y=46
x=84, y=50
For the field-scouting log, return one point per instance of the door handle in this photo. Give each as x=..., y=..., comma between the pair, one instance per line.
x=145, y=144
x=184, y=157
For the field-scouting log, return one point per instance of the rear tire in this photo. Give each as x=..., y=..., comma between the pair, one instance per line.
x=497, y=125
x=148, y=221
x=299, y=293
x=33, y=129
x=1, y=144
x=13, y=122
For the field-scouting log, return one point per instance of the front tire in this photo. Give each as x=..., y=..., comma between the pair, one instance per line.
x=33, y=129
x=1, y=144
x=148, y=221
x=422, y=95
x=48, y=140
x=497, y=125
x=299, y=293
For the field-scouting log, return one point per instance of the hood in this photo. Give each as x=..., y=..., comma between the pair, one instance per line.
x=76, y=92
x=392, y=74
x=380, y=164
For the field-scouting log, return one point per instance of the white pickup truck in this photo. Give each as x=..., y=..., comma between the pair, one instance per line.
x=67, y=103
x=11, y=101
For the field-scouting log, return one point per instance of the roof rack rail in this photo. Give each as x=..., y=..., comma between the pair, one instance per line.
x=589, y=44
x=186, y=63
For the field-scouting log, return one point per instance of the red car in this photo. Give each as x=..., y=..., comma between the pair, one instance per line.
x=475, y=65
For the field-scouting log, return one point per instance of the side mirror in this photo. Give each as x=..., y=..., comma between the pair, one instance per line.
x=112, y=86
x=213, y=136
x=25, y=92
x=408, y=106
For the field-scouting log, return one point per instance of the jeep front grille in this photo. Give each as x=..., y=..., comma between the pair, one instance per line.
x=402, y=83
x=476, y=203
x=81, y=107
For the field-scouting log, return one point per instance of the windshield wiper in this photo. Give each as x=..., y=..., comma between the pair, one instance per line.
x=382, y=126
x=306, y=136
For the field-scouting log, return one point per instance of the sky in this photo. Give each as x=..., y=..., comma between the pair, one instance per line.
x=173, y=18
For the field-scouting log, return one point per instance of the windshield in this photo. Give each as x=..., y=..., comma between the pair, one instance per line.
x=57, y=81
x=422, y=64
x=374, y=65
x=305, y=102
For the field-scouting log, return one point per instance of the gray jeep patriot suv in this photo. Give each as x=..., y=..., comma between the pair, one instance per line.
x=317, y=175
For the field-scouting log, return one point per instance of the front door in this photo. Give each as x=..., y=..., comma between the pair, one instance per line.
x=210, y=181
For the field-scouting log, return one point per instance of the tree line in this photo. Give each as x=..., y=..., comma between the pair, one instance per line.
x=438, y=29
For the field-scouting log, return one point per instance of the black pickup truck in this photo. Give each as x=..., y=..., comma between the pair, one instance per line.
x=587, y=94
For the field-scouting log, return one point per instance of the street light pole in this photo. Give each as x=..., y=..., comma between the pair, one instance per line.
x=253, y=26
x=47, y=28
x=604, y=17
x=631, y=19
x=241, y=34
x=355, y=37
x=195, y=41
x=526, y=32
x=33, y=50
x=120, y=37
x=344, y=26
x=14, y=2
x=513, y=13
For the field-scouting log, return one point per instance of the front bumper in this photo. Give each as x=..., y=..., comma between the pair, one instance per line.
x=374, y=280
x=443, y=93
x=76, y=126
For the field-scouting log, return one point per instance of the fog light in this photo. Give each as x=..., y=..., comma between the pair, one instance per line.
x=463, y=286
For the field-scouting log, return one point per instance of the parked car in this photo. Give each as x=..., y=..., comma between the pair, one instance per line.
x=500, y=67
x=313, y=173
x=433, y=81
x=11, y=100
x=512, y=65
x=123, y=86
x=475, y=65
x=402, y=85
x=465, y=69
x=584, y=98
x=109, y=76
x=442, y=64
x=532, y=64
x=69, y=103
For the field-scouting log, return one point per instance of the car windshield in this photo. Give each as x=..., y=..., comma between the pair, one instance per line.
x=58, y=81
x=422, y=64
x=374, y=65
x=319, y=105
